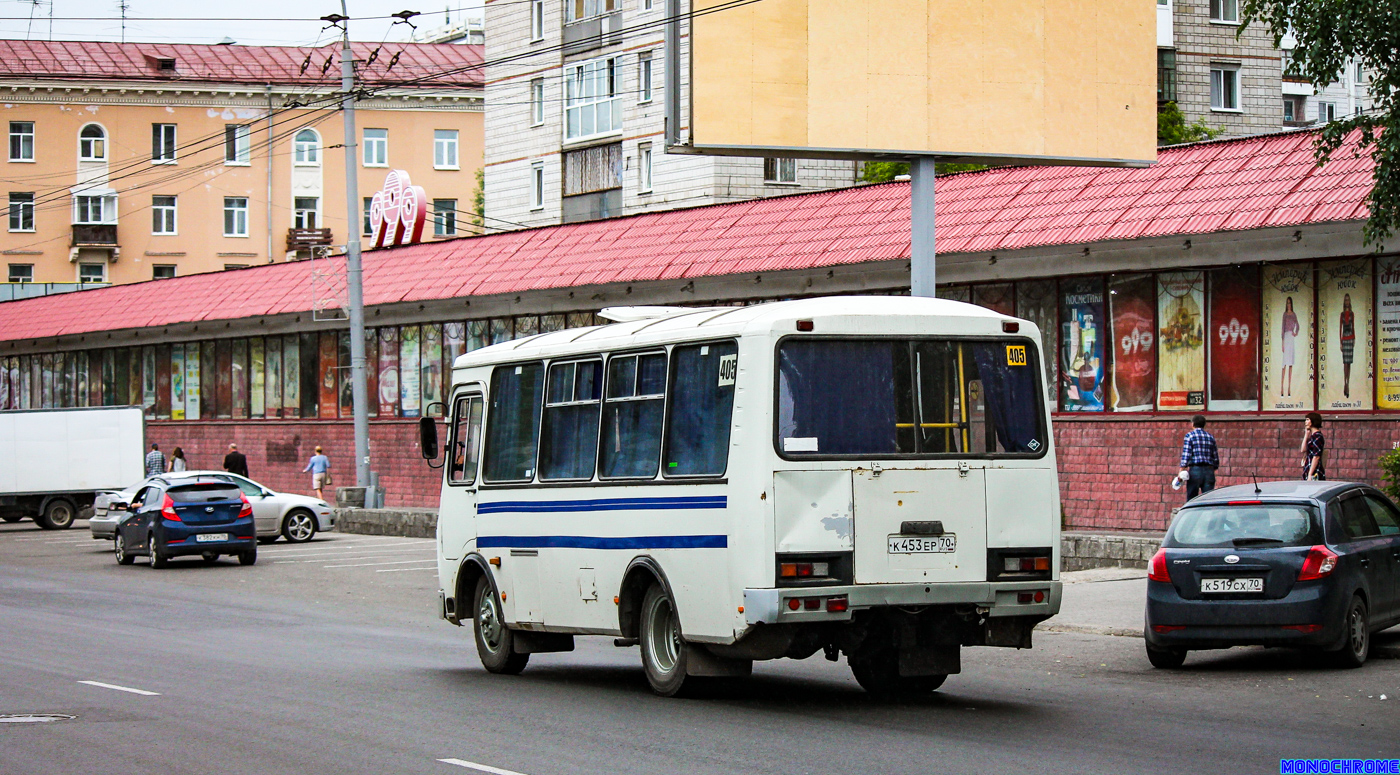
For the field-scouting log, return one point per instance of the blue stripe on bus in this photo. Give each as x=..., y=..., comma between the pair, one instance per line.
x=594, y=542
x=604, y=504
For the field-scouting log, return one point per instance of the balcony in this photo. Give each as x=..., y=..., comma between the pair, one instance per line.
x=94, y=235
x=306, y=239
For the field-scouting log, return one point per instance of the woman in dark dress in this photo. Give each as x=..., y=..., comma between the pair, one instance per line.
x=1313, y=447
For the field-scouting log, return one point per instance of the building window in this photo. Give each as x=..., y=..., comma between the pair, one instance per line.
x=780, y=170
x=591, y=104
x=163, y=143
x=227, y=267
x=21, y=211
x=644, y=168
x=304, y=212
x=644, y=76
x=444, y=217
x=445, y=149
x=95, y=209
x=537, y=186
x=21, y=273
x=585, y=9
x=21, y=141
x=536, y=20
x=306, y=148
x=235, y=216
x=368, y=225
x=1288, y=108
x=1166, y=75
x=1225, y=11
x=162, y=271
x=1224, y=87
x=238, y=144
x=163, y=215
x=1326, y=112
x=376, y=148
x=92, y=273
x=92, y=143
x=537, y=102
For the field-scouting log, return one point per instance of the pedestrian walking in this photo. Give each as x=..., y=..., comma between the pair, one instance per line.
x=235, y=462
x=177, y=461
x=1314, y=448
x=320, y=468
x=1199, y=458
x=155, y=461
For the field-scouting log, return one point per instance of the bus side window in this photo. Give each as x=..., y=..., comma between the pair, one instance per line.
x=513, y=433
x=466, y=440
x=569, y=441
x=632, y=415
x=702, y=405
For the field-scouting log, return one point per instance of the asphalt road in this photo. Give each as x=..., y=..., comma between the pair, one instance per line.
x=328, y=658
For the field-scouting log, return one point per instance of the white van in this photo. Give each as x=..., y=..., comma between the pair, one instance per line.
x=869, y=476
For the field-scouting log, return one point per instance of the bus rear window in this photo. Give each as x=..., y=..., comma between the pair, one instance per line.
x=893, y=397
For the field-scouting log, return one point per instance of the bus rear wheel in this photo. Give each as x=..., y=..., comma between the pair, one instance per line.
x=664, y=650
x=495, y=643
x=878, y=674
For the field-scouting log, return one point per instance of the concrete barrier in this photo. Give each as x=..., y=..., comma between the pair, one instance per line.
x=1083, y=550
x=410, y=523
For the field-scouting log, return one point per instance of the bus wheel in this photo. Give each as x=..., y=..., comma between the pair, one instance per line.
x=664, y=650
x=495, y=643
x=878, y=674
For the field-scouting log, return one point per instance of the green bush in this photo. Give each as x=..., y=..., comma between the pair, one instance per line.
x=1390, y=472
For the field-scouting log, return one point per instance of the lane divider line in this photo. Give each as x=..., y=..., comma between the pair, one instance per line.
x=141, y=692
x=368, y=564
x=400, y=570
x=480, y=767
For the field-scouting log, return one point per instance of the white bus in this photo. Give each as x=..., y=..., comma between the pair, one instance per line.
x=868, y=476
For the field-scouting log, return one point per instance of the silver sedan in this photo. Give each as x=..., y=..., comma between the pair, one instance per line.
x=294, y=517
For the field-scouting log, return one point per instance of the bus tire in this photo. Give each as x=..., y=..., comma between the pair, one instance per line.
x=878, y=674
x=664, y=650
x=495, y=643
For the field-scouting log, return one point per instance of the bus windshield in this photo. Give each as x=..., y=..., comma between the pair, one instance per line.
x=907, y=398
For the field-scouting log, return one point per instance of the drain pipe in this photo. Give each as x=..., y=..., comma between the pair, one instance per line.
x=269, y=173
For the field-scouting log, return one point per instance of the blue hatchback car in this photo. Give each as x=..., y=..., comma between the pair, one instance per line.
x=206, y=517
x=1302, y=564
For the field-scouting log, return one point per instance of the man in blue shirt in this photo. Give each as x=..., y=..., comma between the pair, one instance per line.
x=1199, y=458
x=155, y=461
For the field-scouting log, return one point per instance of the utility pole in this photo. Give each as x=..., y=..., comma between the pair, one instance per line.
x=354, y=273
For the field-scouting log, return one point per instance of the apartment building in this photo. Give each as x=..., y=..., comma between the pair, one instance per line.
x=139, y=161
x=575, y=116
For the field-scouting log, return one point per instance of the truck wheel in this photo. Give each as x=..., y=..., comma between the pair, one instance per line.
x=58, y=515
x=495, y=643
x=12, y=517
x=664, y=650
x=878, y=674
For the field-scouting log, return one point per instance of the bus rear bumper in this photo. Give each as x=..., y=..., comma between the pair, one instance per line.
x=824, y=604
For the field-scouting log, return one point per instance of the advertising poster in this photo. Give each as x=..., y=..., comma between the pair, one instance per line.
x=1287, y=312
x=272, y=385
x=257, y=377
x=239, y=369
x=46, y=381
x=148, y=380
x=410, y=386
x=1036, y=302
x=223, y=379
x=999, y=298
x=1181, y=341
x=191, y=380
x=1081, y=345
x=329, y=382
x=26, y=383
x=208, y=382
x=1233, y=339
x=347, y=382
x=5, y=383
x=1132, y=300
x=372, y=370
x=388, y=372
x=177, y=382
x=1388, y=344
x=1344, y=335
x=454, y=343
x=431, y=369
x=291, y=376
x=163, y=382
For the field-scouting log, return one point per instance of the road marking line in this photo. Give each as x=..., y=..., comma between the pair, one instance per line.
x=348, y=555
x=338, y=559
x=397, y=570
x=141, y=692
x=481, y=767
x=368, y=564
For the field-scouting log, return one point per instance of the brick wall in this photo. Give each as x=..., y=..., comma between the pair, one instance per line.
x=1116, y=474
x=277, y=451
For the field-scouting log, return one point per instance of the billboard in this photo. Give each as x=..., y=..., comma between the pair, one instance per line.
x=993, y=81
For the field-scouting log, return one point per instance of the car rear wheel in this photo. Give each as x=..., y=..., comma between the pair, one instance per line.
x=158, y=559
x=248, y=556
x=1166, y=659
x=58, y=515
x=1357, y=645
x=495, y=643
x=299, y=526
x=119, y=549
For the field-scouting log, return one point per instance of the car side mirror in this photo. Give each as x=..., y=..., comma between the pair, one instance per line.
x=428, y=437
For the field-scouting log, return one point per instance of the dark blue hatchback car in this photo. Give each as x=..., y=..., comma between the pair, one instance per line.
x=206, y=517
x=1302, y=564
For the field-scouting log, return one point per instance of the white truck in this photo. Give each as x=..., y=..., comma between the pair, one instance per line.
x=53, y=462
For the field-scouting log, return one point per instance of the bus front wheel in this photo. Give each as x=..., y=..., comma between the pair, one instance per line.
x=495, y=643
x=664, y=650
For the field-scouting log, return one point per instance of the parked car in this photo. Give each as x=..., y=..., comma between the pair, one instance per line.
x=1301, y=564
x=192, y=515
x=295, y=517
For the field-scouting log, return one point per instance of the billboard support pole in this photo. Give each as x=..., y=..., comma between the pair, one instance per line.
x=921, y=231
x=354, y=272
x=673, y=73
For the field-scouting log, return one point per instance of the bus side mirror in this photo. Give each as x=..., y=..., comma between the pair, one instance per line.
x=428, y=437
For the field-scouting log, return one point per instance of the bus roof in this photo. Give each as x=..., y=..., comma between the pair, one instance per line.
x=694, y=323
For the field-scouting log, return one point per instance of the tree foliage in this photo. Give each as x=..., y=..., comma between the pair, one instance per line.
x=479, y=201
x=1172, y=128
x=885, y=171
x=1330, y=34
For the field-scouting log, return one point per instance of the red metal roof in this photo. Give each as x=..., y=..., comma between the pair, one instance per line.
x=1269, y=180
x=395, y=63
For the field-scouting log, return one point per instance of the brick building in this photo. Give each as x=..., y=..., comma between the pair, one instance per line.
x=1228, y=279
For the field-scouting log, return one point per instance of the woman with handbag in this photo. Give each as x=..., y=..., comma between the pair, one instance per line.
x=320, y=468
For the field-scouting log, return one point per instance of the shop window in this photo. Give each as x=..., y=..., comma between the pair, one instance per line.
x=1132, y=304
x=1232, y=339
x=1082, y=333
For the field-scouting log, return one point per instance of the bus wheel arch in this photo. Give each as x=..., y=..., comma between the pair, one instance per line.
x=473, y=567
x=642, y=573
